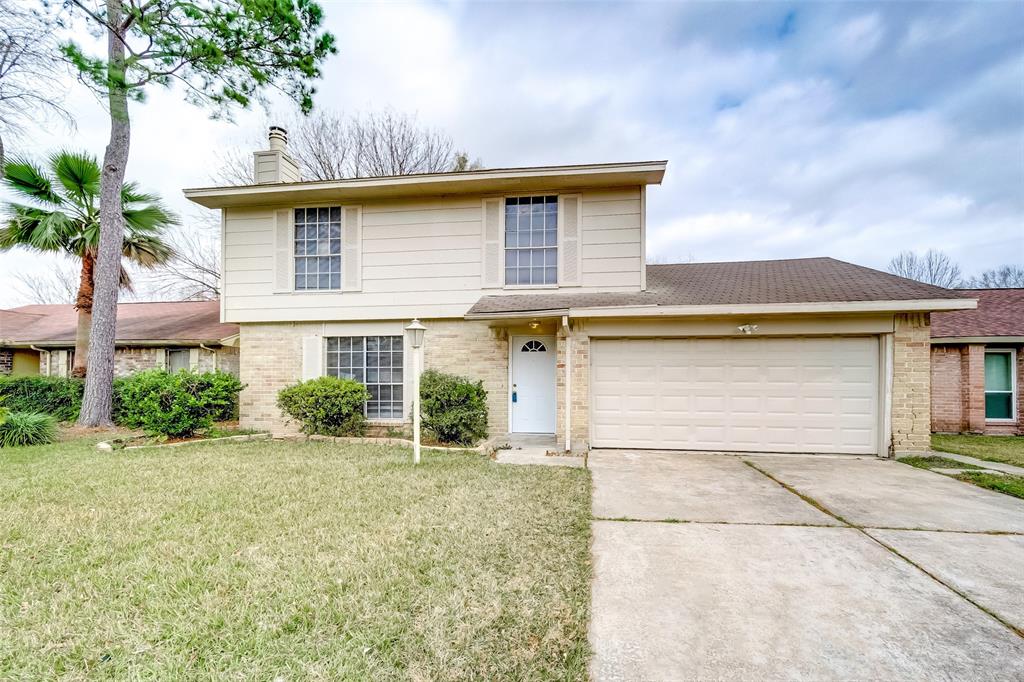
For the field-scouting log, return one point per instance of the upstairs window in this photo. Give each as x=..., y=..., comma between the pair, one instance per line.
x=531, y=240
x=1000, y=391
x=318, y=249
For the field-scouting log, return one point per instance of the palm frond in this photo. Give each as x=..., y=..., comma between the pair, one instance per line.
x=79, y=173
x=131, y=194
x=149, y=219
x=37, y=229
x=30, y=180
x=145, y=250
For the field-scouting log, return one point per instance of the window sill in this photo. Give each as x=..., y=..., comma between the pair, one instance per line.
x=530, y=286
x=1012, y=420
x=304, y=292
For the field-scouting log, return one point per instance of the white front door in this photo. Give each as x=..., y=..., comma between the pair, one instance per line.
x=533, y=384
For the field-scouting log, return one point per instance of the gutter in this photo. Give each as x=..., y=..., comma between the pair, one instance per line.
x=651, y=310
x=939, y=340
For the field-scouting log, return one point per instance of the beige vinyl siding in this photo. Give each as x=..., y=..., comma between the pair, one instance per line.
x=420, y=257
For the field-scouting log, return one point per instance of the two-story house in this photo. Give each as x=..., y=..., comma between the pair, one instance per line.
x=534, y=281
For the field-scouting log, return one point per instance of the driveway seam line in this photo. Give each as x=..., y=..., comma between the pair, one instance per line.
x=813, y=502
x=796, y=524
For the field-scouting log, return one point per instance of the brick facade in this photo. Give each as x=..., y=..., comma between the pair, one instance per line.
x=958, y=391
x=129, y=360
x=477, y=351
x=580, y=423
x=6, y=361
x=271, y=359
x=911, y=382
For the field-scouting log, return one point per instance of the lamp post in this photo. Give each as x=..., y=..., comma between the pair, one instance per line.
x=416, y=332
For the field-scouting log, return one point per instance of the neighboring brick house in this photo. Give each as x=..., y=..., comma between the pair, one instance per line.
x=40, y=339
x=978, y=365
x=533, y=281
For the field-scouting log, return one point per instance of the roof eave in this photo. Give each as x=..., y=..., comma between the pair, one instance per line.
x=920, y=305
x=941, y=340
x=507, y=180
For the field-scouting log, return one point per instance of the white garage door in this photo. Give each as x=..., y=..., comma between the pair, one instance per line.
x=816, y=395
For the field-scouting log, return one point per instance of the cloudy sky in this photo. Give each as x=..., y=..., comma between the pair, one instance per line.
x=853, y=130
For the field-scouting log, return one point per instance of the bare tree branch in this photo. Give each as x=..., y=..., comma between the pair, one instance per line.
x=330, y=146
x=29, y=63
x=194, y=273
x=58, y=285
x=1003, y=277
x=933, y=267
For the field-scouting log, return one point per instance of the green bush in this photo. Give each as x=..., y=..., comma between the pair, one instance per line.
x=27, y=428
x=453, y=408
x=175, y=405
x=327, y=406
x=60, y=397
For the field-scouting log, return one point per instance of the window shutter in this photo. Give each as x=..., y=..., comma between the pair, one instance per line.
x=493, y=267
x=352, y=246
x=312, y=357
x=160, y=357
x=193, y=359
x=570, y=249
x=284, y=258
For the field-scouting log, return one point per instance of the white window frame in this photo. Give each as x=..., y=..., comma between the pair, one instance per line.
x=340, y=255
x=1013, y=387
x=557, y=247
x=325, y=371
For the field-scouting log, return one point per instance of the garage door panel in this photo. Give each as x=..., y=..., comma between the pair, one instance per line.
x=767, y=394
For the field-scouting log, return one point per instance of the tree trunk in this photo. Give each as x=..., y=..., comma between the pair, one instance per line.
x=83, y=304
x=99, y=382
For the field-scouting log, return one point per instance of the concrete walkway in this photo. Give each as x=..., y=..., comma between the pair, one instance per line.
x=983, y=463
x=766, y=567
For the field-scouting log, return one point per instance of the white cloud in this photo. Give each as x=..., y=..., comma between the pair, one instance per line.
x=857, y=132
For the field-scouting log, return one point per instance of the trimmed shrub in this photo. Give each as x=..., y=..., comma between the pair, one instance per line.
x=326, y=406
x=60, y=397
x=453, y=408
x=175, y=405
x=27, y=428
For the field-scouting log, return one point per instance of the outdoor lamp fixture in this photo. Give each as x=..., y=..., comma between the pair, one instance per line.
x=747, y=329
x=534, y=324
x=416, y=332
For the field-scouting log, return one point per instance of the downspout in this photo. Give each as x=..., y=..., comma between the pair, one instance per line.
x=568, y=383
x=48, y=357
x=205, y=347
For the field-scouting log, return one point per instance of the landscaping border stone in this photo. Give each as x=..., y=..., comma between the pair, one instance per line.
x=108, y=445
x=485, y=448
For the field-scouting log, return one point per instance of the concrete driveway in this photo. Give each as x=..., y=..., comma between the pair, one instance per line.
x=791, y=567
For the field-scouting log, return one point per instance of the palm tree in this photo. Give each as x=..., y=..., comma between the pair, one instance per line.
x=63, y=216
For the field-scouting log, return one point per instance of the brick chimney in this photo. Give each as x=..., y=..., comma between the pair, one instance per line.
x=275, y=164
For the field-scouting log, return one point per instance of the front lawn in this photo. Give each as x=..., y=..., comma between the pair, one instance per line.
x=290, y=560
x=1006, y=449
x=1004, y=483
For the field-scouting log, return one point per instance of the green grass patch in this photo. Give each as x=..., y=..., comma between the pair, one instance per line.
x=1006, y=449
x=936, y=463
x=291, y=560
x=1004, y=483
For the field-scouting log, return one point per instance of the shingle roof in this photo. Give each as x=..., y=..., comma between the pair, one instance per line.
x=799, y=280
x=1000, y=312
x=136, y=322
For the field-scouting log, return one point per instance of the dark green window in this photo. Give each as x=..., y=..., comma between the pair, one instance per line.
x=999, y=387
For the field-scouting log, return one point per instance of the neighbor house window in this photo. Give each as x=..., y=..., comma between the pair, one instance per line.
x=177, y=359
x=999, y=385
x=531, y=240
x=375, y=361
x=318, y=248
